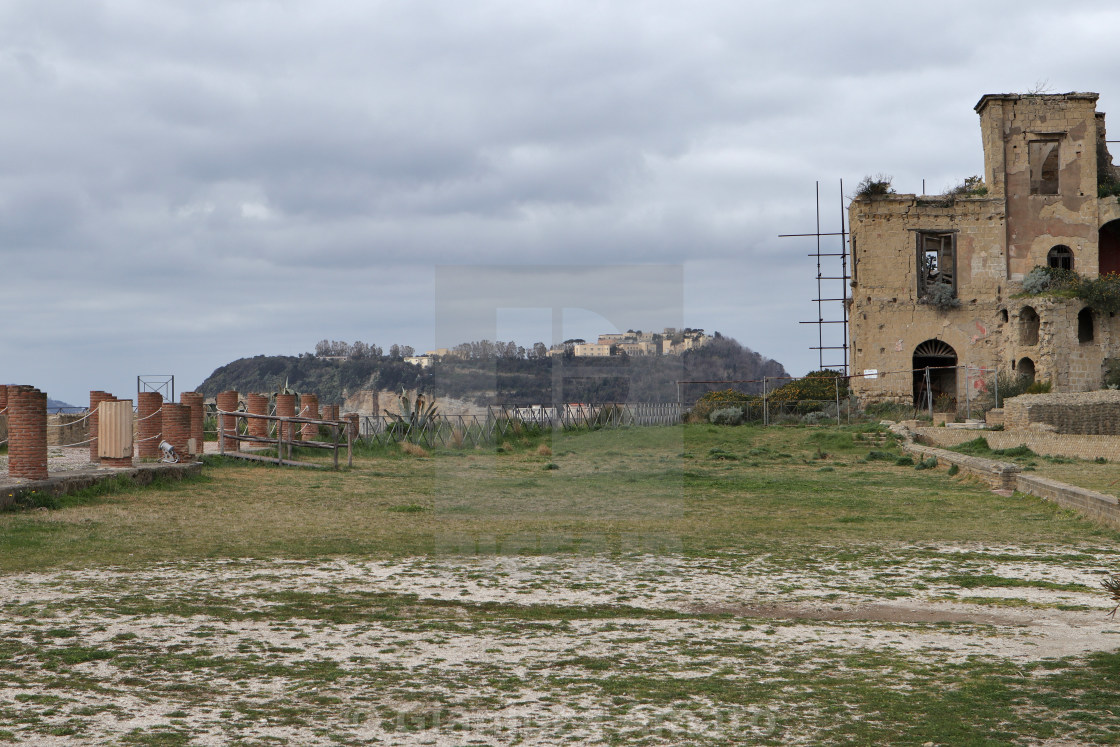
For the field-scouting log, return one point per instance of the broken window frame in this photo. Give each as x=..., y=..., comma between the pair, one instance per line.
x=1043, y=156
x=936, y=260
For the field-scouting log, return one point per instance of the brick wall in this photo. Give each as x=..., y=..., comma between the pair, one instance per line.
x=330, y=412
x=258, y=405
x=227, y=402
x=196, y=402
x=27, y=433
x=286, y=408
x=176, y=424
x=353, y=419
x=3, y=412
x=149, y=424
x=309, y=408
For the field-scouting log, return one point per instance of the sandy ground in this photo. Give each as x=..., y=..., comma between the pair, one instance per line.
x=733, y=603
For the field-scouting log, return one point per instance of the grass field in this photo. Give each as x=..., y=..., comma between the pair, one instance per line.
x=694, y=585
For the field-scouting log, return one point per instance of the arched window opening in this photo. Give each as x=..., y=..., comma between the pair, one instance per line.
x=1085, y=325
x=1028, y=326
x=1025, y=369
x=1060, y=257
x=1003, y=315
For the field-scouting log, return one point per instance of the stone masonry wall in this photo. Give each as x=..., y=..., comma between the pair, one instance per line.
x=1088, y=413
x=1047, y=444
x=887, y=322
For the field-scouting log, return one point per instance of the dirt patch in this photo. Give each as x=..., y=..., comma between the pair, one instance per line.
x=862, y=613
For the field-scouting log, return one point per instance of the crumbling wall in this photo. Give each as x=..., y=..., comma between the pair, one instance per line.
x=887, y=320
x=1083, y=413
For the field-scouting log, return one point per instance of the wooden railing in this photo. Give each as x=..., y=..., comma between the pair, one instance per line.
x=286, y=430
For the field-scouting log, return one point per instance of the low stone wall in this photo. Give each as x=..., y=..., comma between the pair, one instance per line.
x=1000, y=475
x=1100, y=506
x=1047, y=444
x=1086, y=413
x=71, y=482
x=65, y=429
x=1007, y=476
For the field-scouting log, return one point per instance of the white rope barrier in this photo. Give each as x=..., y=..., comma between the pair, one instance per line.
x=150, y=415
x=73, y=422
x=80, y=443
x=149, y=438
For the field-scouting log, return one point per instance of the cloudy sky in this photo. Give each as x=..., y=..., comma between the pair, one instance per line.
x=187, y=182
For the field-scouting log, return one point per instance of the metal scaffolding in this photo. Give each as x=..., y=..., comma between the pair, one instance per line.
x=824, y=282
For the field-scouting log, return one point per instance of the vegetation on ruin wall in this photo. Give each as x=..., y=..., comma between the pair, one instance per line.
x=1101, y=294
x=815, y=386
x=502, y=379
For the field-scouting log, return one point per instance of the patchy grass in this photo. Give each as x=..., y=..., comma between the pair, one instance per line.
x=699, y=489
x=661, y=586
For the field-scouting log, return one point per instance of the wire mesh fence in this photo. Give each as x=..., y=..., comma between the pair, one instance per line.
x=504, y=422
x=829, y=396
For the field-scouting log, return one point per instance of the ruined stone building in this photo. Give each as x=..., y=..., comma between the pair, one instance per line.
x=938, y=281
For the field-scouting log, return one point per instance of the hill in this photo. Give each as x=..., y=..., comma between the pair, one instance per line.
x=512, y=380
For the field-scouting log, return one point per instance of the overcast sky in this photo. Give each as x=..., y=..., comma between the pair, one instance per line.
x=186, y=183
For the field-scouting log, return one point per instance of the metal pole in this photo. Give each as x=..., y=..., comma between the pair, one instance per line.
x=995, y=373
x=929, y=394
x=836, y=382
x=765, y=409
x=968, y=392
x=221, y=434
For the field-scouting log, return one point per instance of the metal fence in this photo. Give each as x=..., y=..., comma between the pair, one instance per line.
x=505, y=422
x=959, y=391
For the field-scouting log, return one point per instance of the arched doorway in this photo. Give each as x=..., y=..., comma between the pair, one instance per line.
x=1108, y=247
x=941, y=360
x=1025, y=370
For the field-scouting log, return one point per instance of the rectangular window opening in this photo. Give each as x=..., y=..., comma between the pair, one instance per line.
x=1044, y=163
x=937, y=263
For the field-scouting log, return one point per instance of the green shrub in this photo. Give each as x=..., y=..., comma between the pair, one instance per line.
x=723, y=399
x=953, y=470
x=940, y=296
x=971, y=186
x=727, y=416
x=878, y=185
x=1102, y=294
x=1051, y=280
x=816, y=386
x=904, y=461
x=930, y=463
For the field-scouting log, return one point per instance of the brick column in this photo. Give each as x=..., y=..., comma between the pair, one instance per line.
x=352, y=419
x=197, y=404
x=27, y=433
x=125, y=461
x=309, y=407
x=330, y=412
x=177, y=428
x=96, y=397
x=286, y=408
x=227, y=401
x=258, y=405
x=149, y=425
x=3, y=412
